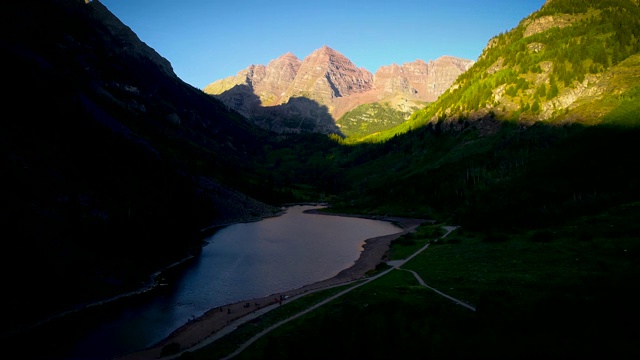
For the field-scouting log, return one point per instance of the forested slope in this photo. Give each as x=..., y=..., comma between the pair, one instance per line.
x=541, y=127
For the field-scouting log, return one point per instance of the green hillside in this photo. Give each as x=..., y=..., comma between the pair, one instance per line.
x=565, y=55
x=371, y=118
x=535, y=124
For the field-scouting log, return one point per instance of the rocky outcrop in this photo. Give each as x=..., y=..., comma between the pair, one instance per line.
x=333, y=84
x=420, y=80
x=544, y=23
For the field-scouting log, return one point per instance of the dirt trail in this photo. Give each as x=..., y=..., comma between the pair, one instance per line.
x=395, y=265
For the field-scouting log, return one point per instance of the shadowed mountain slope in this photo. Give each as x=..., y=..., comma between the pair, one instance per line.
x=111, y=164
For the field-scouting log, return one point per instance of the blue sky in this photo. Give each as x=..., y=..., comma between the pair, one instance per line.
x=210, y=40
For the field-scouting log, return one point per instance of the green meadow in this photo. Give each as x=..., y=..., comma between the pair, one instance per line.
x=550, y=293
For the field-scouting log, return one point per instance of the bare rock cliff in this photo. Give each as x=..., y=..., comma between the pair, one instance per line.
x=333, y=84
x=420, y=80
x=279, y=74
x=326, y=74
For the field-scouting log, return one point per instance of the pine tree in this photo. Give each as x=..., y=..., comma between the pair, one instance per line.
x=535, y=108
x=542, y=90
x=553, y=88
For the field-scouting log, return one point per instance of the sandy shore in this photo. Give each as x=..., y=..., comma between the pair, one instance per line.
x=214, y=320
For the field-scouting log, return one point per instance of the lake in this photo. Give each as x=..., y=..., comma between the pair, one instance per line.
x=240, y=262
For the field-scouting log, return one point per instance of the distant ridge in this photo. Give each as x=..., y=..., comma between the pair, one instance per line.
x=331, y=80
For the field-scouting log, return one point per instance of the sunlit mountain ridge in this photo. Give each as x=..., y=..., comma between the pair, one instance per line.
x=571, y=61
x=534, y=90
x=290, y=95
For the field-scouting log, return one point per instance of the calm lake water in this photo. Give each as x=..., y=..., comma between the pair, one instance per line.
x=240, y=262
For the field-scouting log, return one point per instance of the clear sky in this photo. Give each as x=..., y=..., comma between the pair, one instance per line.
x=207, y=40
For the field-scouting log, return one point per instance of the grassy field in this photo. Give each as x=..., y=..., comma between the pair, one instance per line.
x=569, y=290
x=229, y=343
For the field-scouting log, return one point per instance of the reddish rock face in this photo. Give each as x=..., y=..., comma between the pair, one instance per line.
x=278, y=76
x=419, y=80
x=329, y=78
x=325, y=75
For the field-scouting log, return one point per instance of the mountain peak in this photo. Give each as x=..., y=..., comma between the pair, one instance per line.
x=327, y=74
x=325, y=48
x=330, y=79
x=327, y=52
x=288, y=56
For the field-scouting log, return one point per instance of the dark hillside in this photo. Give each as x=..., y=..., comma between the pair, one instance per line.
x=111, y=164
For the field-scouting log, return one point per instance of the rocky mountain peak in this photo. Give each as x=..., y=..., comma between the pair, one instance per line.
x=331, y=81
x=326, y=51
x=289, y=55
x=326, y=74
x=279, y=74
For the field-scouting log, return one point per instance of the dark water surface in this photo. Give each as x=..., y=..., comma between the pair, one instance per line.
x=240, y=262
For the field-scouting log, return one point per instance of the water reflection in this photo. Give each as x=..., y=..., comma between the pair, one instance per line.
x=241, y=262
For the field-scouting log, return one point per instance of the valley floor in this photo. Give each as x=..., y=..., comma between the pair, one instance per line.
x=219, y=321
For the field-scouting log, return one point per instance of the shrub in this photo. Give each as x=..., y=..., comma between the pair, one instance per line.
x=542, y=236
x=495, y=238
x=434, y=232
x=584, y=235
x=405, y=240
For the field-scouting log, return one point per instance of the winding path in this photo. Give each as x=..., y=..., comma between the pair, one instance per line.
x=397, y=263
x=394, y=265
x=459, y=302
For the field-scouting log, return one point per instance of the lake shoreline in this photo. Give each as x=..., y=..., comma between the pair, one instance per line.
x=198, y=330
